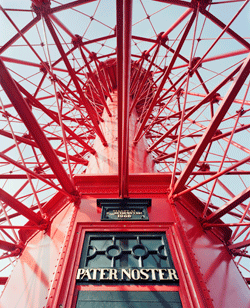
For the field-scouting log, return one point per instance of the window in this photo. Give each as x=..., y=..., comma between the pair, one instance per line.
x=136, y=257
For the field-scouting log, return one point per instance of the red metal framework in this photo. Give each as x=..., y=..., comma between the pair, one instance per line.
x=185, y=64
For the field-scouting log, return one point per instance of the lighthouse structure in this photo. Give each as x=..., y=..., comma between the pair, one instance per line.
x=123, y=160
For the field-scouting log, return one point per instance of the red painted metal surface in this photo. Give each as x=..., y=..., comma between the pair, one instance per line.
x=219, y=271
x=89, y=88
x=36, y=269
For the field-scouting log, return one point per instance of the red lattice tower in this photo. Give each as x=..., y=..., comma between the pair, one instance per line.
x=91, y=88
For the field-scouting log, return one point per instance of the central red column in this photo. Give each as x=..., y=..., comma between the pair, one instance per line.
x=105, y=161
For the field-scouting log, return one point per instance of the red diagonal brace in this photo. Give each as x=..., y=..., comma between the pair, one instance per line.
x=206, y=99
x=31, y=123
x=55, y=118
x=69, y=5
x=165, y=77
x=18, y=35
x=215, y=138
x=89, y=108
x=239, y=245
x=32, y=173
x=33, y=144
x=215, y=122
x=20, y=208
x=228, y=206
x=219, y=23
x=9, y=246
x=3, y=280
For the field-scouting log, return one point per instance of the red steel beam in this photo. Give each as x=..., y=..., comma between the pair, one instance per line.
x=218, y=57
x=214, y=124
x=217, y=175
x=227, y=207
x=18, y=35
x=20, y=208
x=69, y=5
x=127, y=32
x=215, y=138
x=32, y=125
x=3, y=280
x=119, y=50
x=54, y=117
x=103, y=38
x=124, y=33
x=240, y=245
x=165, y=76
x=27, y=63
x=34, y=144
x=9, y=246
x=32, y=173
x=178, y=2
x=19, y=176
x=208, y=98
x=91, y=111
x=226, y=55
x=166, y=33
x=219, y=23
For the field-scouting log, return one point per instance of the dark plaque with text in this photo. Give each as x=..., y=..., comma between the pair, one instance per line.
x=124, y=209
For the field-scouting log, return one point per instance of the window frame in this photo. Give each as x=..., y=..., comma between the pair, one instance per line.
x=71, y=289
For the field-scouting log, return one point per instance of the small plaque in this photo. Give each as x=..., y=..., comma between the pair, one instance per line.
x=124, y=209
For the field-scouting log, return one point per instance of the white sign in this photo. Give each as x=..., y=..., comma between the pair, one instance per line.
x=113, y=274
